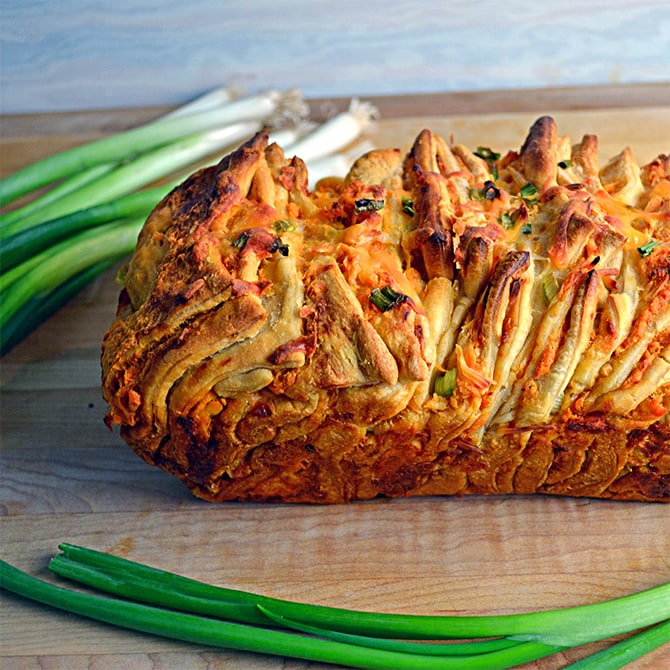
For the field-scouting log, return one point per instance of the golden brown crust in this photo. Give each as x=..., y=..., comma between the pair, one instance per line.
x=446, y=322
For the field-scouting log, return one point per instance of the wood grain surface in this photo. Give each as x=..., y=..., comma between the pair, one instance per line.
x=65, y=477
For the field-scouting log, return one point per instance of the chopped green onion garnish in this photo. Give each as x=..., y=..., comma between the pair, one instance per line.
x=506, y=221
x=408, y=206
x=490, y=157
x=565, y=164
x=284, y=226
x=529, y=194
x=445, y=384
x=549, y=287
x=526, y=229
x=487, y=154
x=240, y=241
x=386, y=298
x=368, y=205
x=647, y=248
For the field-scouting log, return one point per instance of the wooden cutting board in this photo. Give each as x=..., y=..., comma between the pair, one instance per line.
x=65, y=477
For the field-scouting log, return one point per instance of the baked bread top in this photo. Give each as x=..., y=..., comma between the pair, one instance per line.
x=482, y=302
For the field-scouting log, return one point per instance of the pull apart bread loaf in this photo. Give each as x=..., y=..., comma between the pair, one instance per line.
x=444, y=322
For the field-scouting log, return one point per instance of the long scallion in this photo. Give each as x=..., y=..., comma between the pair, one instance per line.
x=208, y=100
x=627, y=650
x=563, y=627
x=439, y=648
x=244, y=637
x=99, y=183
x=288, y=135
x=140, y=171
x=184, y=609
x=336, y=164
x=117, y=147
x=56, y=192
x=38, y=309
x=336, y=133
x=21, y=246
x=164, y=590
x=42, y=273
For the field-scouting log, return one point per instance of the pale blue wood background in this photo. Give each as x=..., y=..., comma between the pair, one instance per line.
x=78, y=54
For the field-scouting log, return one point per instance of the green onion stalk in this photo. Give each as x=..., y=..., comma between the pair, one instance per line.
x=562, y=627
x=137, y=173
x=59, y=190
x=118, y=147
x=231, y=635
x=100, y=192
x=40, y=277
x=144, y=598
x=24, y=244
x=39, y=309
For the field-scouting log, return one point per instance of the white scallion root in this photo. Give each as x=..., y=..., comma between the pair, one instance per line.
x=291, y=108
x=290, y=134
x=209, y=100
x=336, y=133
